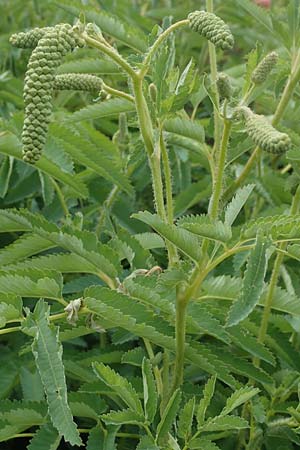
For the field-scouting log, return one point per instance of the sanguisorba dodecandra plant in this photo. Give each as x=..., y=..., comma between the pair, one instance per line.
x=166, y=303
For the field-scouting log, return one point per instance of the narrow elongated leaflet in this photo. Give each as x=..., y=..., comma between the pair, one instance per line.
x=47, y=351
x=253, y=282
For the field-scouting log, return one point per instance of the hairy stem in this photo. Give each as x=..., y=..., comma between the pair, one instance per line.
x=218, y=179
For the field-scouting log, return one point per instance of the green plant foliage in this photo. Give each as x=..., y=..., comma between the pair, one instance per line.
x=149, y=225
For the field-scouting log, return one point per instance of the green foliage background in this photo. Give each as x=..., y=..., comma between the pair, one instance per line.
x=81, y=224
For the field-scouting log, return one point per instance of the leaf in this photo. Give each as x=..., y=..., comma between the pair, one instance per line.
x=86, y=405
x=185, y=241
x=147, y=443
x=47, y=352
x=88, y=65
x=83, y=243
x=239, y=397
x=193, y=194
x=10, y=308
x=277, y=226
x=186, y=419
x=32, y=283
x=5, y=175
x=120, y=385
x=150, y=393
x=258, y=13
x=243, y=339
x=109, y=24
x=150, y=240
x=31, y=383
x=10, y=145
x=203, y=444
x=235, y=206
x=96, y=437
x=96, y=158
x=116, y=310
x=62, y=262
x=169, y=415
x=253, y=282
x=208, y=393
x=224, y=423
x=185, y=127
x=23, y=247
x=204, y=227
x=108, y=108
x=126, y=416
x=45, y=437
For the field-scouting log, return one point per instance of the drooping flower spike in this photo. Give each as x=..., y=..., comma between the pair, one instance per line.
x=39, y=85
x=263, y=133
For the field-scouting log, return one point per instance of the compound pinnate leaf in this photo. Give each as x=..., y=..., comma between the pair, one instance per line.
x=47, y=351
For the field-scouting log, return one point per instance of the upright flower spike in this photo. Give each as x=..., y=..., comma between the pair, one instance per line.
x=39, y=85
x=264, y=68
x=77, y=82
x=212, y=28
x=263, y=133
x=224, y=86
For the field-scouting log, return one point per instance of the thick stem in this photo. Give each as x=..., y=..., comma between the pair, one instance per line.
x=143, y=116
x=157, y=184
x=218, y=179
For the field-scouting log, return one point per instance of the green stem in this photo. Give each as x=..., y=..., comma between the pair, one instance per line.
x=117, y=93
x=143, y=116
x=10, y=330
x=156, y=371
x=218, y=179
x=158, y=42
x=61, y=197
x=112, y=53
x=107, y=205
x=157, y=185
x=213, y=75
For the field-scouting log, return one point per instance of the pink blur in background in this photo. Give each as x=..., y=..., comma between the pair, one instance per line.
x=264, y=3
